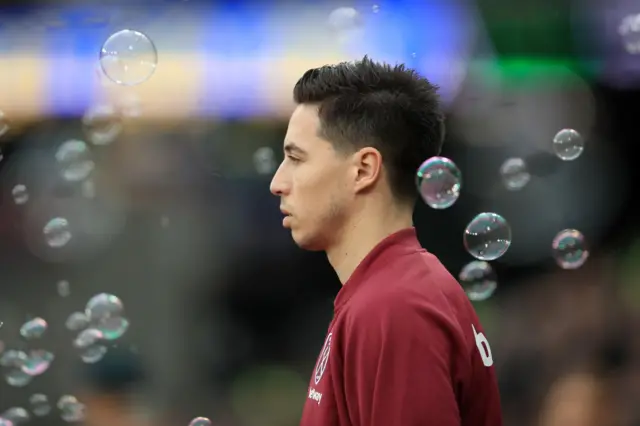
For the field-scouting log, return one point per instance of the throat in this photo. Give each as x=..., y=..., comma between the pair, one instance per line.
x=356, y=245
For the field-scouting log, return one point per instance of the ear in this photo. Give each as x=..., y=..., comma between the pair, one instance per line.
x=368, y=163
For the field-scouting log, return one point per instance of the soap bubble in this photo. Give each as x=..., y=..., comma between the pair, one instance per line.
x=102, y=124
x=514, y=174
x=487, y=236
x=74, y=158
x=40, y=405
x=20, y=194
x=568, y=144
x=57, y=233
x=71, y=410
x=200, y=421
x=33, y=329
x=128, y=57
x=569, y=249
x=439, y=180
x=478, y=280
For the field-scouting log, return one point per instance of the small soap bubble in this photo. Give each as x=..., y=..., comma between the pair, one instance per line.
x=16, y=415
x=71, y=410
x=64, y=288
x=128, y=57
x=375, y=8
x=93, y=354
x=102, y=124
x=57, y=233
x=478, y=280
x=112, y=328
x=20, y=194
x=200, y=421
x=487, y=236
x=629, y=30
x=264, y=161
x=38, y=362
x=87, y=337
x=13, y=359
x=33, y=329
x=570, y=249
x=74, y=159
x=77, y=321
x=439, y=181
x=344, y=19
x=102, y=306
x=17, y=378
x=514, y=174
x=40, y=405
x=568, y=144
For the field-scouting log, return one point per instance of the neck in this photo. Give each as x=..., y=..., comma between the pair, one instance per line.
x=360, y=236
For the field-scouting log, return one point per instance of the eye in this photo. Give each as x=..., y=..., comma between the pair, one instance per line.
x=293, y=159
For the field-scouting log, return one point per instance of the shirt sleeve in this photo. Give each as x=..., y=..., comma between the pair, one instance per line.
x=398, y=368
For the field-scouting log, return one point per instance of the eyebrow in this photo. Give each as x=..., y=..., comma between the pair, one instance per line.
x=291, y=148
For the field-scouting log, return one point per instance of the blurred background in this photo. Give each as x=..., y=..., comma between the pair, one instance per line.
x=146, y=186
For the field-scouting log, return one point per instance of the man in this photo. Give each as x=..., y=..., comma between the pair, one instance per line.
x=405, y=347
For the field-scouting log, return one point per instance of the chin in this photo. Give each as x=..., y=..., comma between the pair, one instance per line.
x=307, y=242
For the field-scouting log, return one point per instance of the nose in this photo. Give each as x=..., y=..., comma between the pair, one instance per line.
x=278, y=186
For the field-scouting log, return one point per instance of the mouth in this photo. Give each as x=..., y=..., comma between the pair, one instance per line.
x=286, y=219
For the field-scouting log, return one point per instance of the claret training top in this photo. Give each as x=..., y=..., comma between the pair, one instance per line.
x=405, y=348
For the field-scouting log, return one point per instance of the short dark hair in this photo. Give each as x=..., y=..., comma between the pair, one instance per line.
x=391, y=108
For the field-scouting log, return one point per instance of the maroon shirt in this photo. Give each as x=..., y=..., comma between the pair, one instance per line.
x=405, y=348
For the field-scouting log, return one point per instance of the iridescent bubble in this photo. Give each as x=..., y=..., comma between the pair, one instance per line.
x=77, y=321
x=200, y=421
x=4, y=124
x=514, y=174
x=103, y=306
x=487, y=236
x=16, y=415
x=20, y=194
x=17, y=378
x=93, y=354
x=74, y=158
x=5, y=422
x=33, y=329
x=71, y=410
x=128, y=57
x=478, y=280
x=570, y=249
x=439, y=181
x=40, y=405
x=13, y=358
x=568, y=144
x=344, y=19
x=112, y=328
x=629, y=30
x=38, y=362
x=64, y=288
x=264, y=160
x=87, y=338
x=57, y=233
x=102, y=124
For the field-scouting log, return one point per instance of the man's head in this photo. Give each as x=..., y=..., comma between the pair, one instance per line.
x=355, y=140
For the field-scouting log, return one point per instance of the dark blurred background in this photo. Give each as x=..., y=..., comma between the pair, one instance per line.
x=172, y=213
